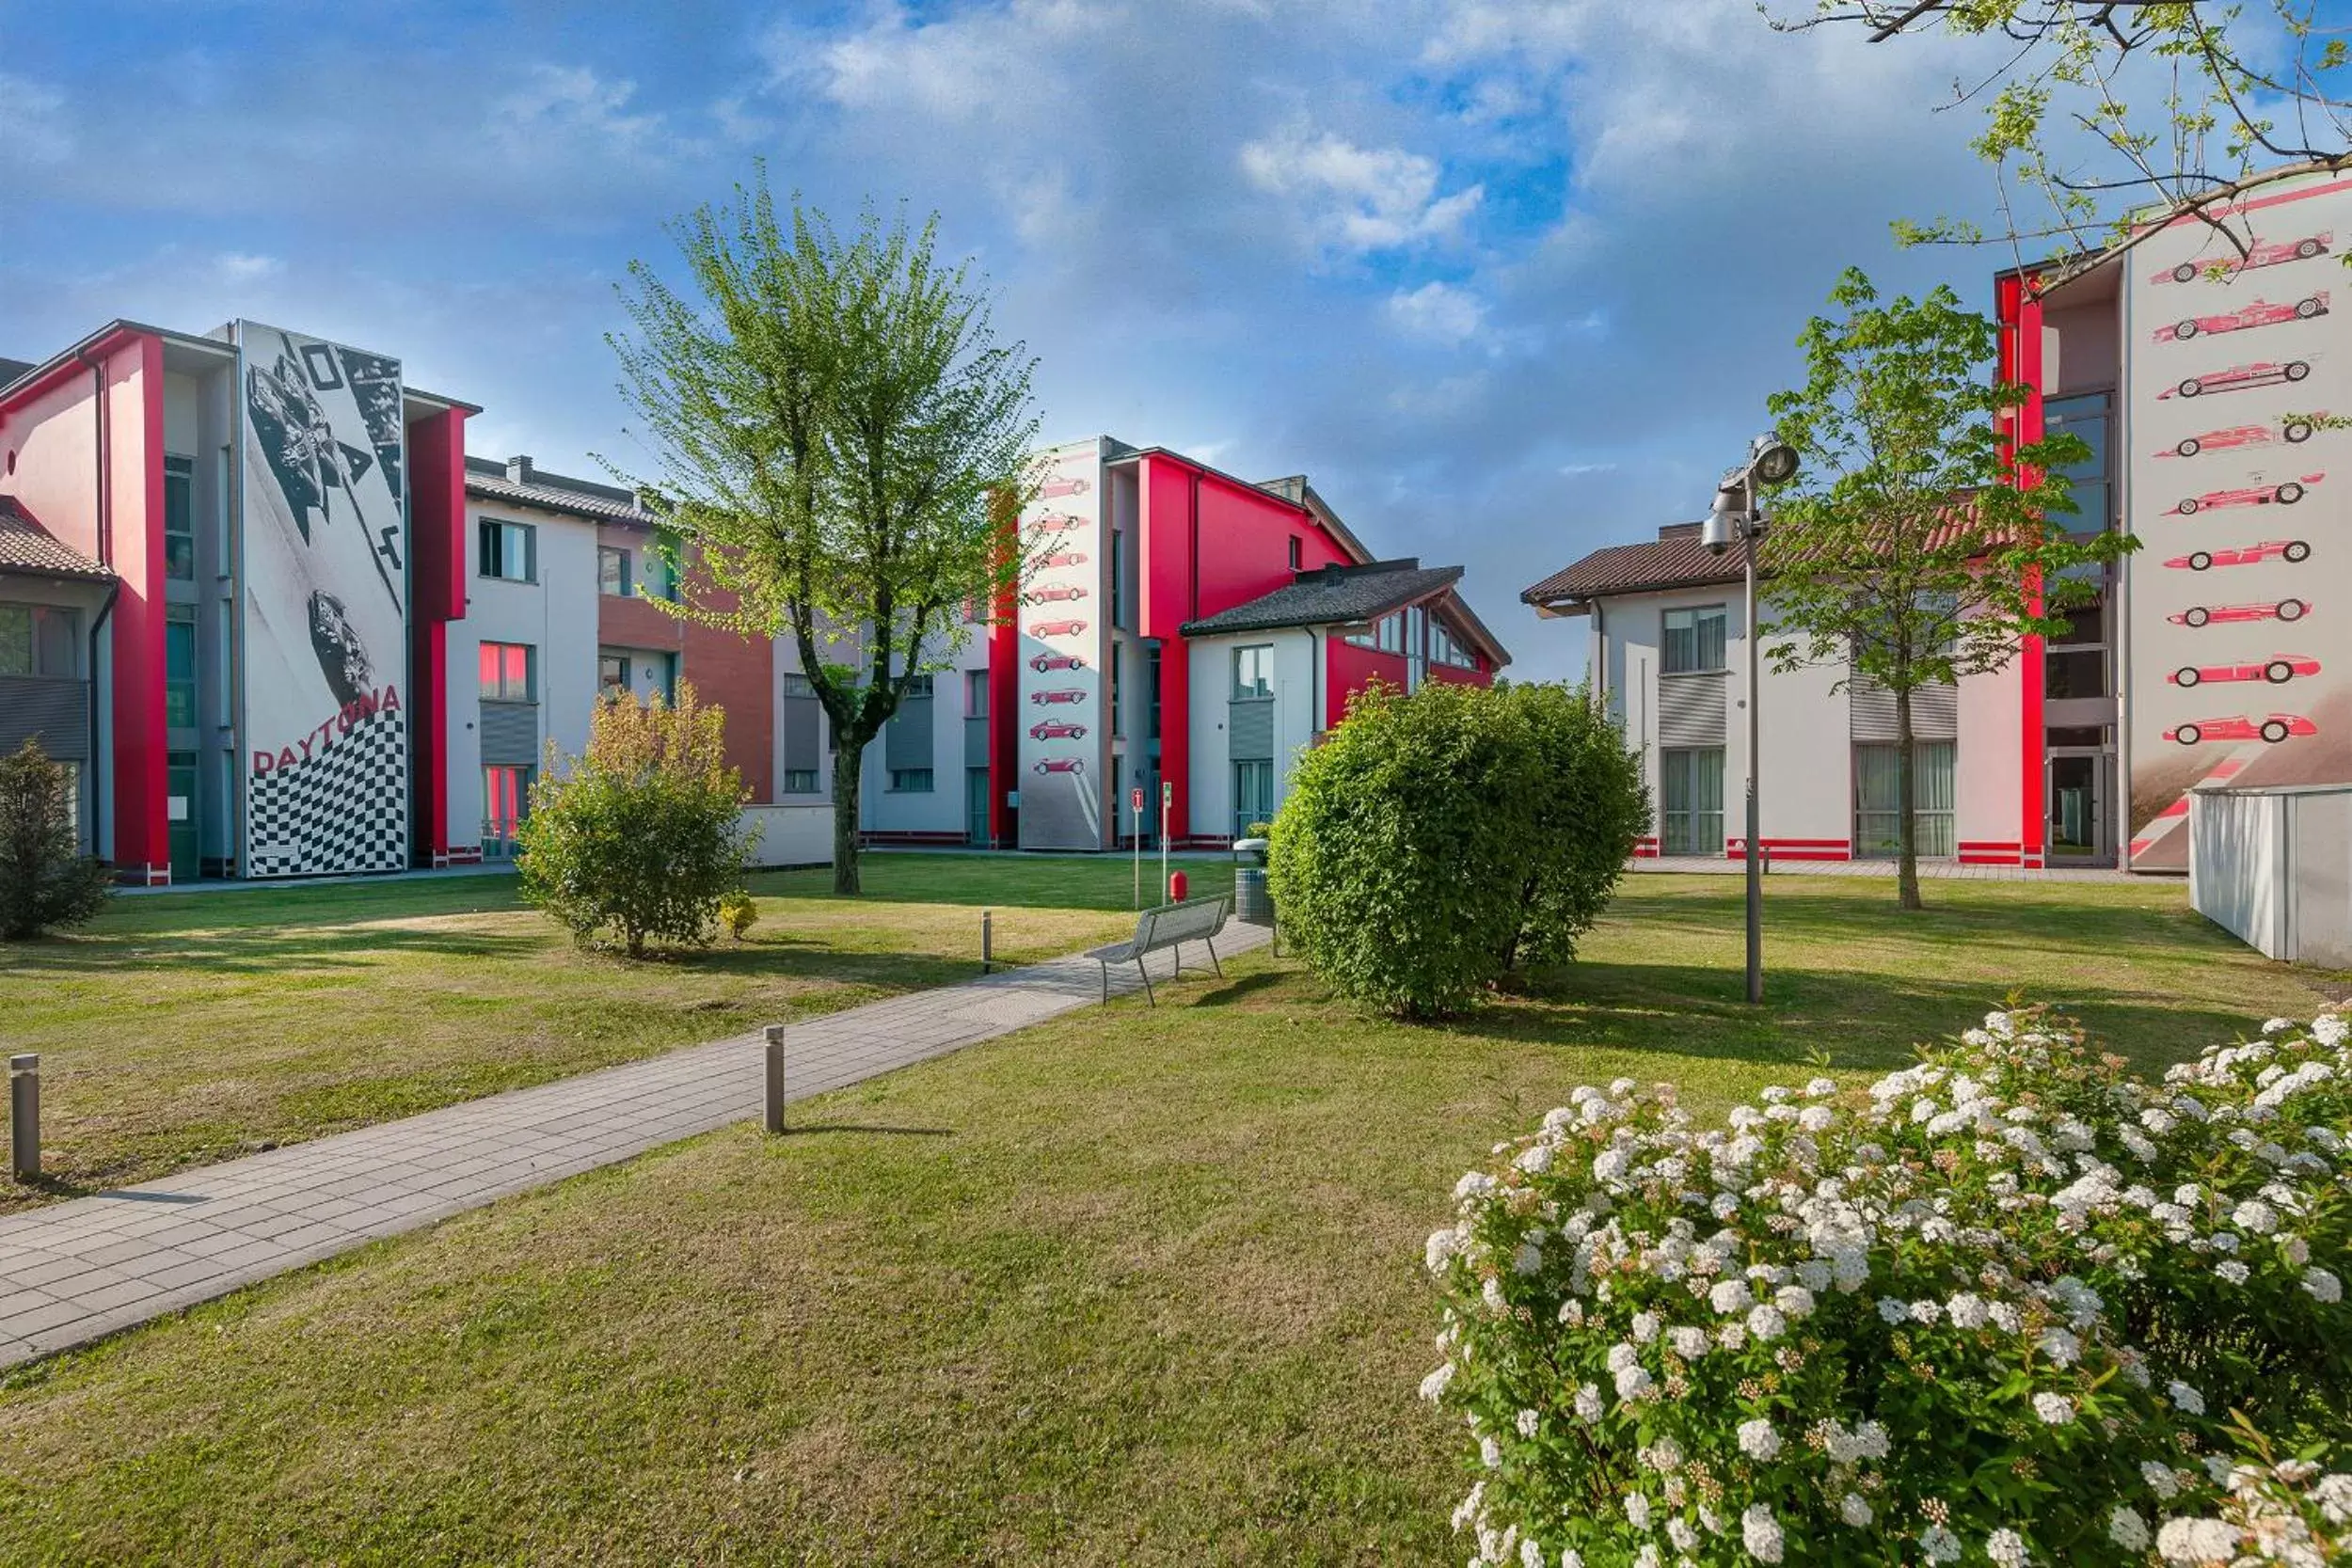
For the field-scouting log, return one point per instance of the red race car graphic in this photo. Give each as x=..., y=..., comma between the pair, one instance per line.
x=1054, y=729
x=2273, y=729
x=2259, y=256
x=1044, y=662
x=2278, y=670
x=1059, y=523
x=2262, y=312
x=1057, y=628
x=2202, y=615
x=2245, y=555
x=2249, y=495
x=2240, y=378
x=1057, y=592
x=1065, y=694
x=2241, y=435
x=1056, y=487
x=1061, y=765
x=1066, y=557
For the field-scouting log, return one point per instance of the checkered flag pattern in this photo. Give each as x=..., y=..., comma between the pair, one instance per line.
x=344, y=809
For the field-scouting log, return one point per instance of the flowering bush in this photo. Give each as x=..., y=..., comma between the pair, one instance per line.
x=1999, y=1310
x=2268, y=1511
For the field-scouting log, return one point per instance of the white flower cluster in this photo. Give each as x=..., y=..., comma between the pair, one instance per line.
x=2289, y=1512
x=1734, y=1314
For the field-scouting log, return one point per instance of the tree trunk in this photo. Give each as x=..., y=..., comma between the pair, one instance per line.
x=849, y=764
x=1906, y=792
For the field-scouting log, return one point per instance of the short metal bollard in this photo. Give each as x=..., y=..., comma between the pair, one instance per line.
x=24, y=1117
x=774, y=1120
x=988, y=941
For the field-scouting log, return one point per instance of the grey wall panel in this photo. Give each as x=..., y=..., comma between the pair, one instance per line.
x=1934, y=712
x=50, y=706
x=803, y=738
x=510, y=733
x=1250, y=729
x=907, y=739
x=976, y=743
x=1690, y=711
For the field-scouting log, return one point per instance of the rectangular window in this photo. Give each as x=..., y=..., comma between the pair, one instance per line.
x=1253, y=670
x=656, y=581
x=510, y=673
x=1151, y=693
x=612, y=571
x=1392, y=634
x=1119, y=711
x=1118, y=578
x=1694, y=641
x=1691, y=798
x=1253, y=796
x=612, y=674
x=180, y=518
x=911, y=780
x=2090, y=483
x=1299, y=554
x=800, y=781
x=40, y=639
x=509, y=551
x=976, y=693
x=1877, y=813
x=505, y=801
x=180, y=667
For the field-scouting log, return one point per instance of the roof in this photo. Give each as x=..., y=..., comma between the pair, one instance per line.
x=1294, y=490
x=1330, y=595
x=1676, y=558
x=13, y=371
x=520, y=482
x=25, y=547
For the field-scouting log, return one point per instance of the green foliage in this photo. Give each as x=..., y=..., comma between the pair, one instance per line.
x=738, y=913
x=640, y=836
x=45, y=880
x=1433, y=840
x=841, y=445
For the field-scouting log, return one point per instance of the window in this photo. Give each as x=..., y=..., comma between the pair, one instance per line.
x=1876, y=812
x=180, y=518
x=1253, y=796
x=38, y=639
x=1152, y=692
x=1118, y=726
x=1253, y=672
x=2074, y=662
x=1692, y=799
x=510, y=673
x=976, y=693
x=1694, y=641
x=612, y=674
x=1392, y=634
x=1118, y=578
x=918, y=687
x=1299, y=554
x=800, y=781
x=798, y=684
x=507, y=550
x=657, y=581
x=911, y=780
x=612, y=571
x=505, y=801
x=1416, y=647
x=2089, y=484
x=1444, y=648
x=180, y=667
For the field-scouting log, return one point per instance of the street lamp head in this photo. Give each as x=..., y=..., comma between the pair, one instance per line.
x=1773, y=461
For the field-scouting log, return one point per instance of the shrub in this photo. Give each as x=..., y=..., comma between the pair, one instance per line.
x=1434, y=840
x=641, y=834
x=45, y=880
x=737, y=913
x=2001, y=1311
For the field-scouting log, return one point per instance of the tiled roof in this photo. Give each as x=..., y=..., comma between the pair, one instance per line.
x=581, y=498
x=1330, y=595
x=28, y=546
x=13, y=371
x=1674, y=559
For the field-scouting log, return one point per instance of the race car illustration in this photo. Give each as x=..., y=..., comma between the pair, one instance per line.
x=1057, y=629
x=2278, y=670
x=1066, y=557
x=1061, y=694
x=1053, y=488
x=2269, y=255
x=2249, y=495
x=1058, y=591
x=1056, y=522
x=1044, y=662
x=2240, y=378
x=2241, y=435
x=2245, y=555
x=1061, y=765
x=2278, y=727
x=2262, y=312
x=2204, y=615
x=1055, y=729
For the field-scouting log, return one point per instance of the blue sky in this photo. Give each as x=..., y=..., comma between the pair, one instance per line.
x=1509, y=279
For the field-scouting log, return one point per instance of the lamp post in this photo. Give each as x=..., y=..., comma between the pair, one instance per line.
x=1737, y=517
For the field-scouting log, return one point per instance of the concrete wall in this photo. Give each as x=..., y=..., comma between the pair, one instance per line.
x=791, y=835
x=2273, y=867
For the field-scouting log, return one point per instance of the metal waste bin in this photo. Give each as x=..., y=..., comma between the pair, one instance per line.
x=1251, y=901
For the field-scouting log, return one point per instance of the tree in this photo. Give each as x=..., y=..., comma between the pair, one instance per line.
x=1917, y=546
x=45, y=880
x=641, y=834
x=1586, y=812
x=2096, y=109
x=840, y=446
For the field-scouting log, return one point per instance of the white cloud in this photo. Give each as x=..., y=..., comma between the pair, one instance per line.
x=33, y=124
x=1439, y=312
x=237, y=266
x=559, y=109
x=1364, y=198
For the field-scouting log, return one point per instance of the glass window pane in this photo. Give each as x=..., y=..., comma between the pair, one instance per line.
x=16, y=639
x=55, y=635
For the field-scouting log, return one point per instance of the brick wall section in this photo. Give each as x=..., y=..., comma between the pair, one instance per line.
x=736, y=673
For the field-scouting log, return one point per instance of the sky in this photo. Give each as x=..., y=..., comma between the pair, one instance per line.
x=1508, y=280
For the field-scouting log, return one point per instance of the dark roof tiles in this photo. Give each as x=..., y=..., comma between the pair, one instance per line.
x=1674, y=560
x=28, y=546
x=1330, y=595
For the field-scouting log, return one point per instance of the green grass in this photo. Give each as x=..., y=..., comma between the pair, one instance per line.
x=187, y=1029
x=1135, y=1286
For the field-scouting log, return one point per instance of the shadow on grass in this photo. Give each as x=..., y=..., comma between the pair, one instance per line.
x=1242, y=990
x=794, y=1130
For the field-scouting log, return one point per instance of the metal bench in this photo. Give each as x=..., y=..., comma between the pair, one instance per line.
x=1169, y=927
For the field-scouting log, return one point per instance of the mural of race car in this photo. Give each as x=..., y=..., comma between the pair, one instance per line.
x=1061, y=694
x=2278, y=670
x=2269, y=255
x=1065, y=558
x=2278, y=727
x=2201, y=615
x=1057, y=592
x=2262, y=312
x=1061, y=765
x=2249, y=495
x=1057, y=629
x=1055, y=522
x=1055, y=729
x=2245, y=555
x=1044, y=662
x=2240, y=378
x=1053, y=488
x=2240, y=436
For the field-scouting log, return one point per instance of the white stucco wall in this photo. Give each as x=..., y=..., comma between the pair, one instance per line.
x=1210, y=789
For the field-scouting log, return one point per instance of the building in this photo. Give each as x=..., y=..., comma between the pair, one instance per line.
x=254, y=593
x=2203, y=380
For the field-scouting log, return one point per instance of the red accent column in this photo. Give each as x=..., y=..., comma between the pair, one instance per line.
x=436, y=589
x=1004, y=703
x=135, y=483
x=2020, y=360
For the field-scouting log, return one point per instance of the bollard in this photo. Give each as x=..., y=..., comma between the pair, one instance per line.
x=988, y=941
x=24, y=1117
x=774, y=1117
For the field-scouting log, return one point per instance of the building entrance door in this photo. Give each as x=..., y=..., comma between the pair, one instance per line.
x=2078, y=789
x=976, y=806
x=180, y=813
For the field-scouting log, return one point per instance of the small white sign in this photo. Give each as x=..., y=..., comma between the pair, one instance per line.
x=176, y=807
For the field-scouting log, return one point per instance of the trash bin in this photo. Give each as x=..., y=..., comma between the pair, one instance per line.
x=1251, y=901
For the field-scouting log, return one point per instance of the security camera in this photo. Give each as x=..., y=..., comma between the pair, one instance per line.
x=1721, y=528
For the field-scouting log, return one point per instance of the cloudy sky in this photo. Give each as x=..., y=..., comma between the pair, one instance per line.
x=1510, y=280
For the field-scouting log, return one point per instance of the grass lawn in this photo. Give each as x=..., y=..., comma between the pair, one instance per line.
x=186, y=1028
x=1132, y=1286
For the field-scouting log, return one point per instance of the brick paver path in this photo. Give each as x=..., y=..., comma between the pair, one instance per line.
x=74, y=1272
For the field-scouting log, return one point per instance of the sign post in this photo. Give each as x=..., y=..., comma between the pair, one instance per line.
x=1134, y=807
x=1167, y=803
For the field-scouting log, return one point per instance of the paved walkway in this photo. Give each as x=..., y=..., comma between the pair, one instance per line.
x=74, y=1272
x=1937, y=871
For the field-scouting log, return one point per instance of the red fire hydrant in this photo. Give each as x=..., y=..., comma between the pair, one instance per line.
x=1175, y=887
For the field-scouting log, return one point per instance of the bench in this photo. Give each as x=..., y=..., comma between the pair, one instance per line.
x=1169, y=927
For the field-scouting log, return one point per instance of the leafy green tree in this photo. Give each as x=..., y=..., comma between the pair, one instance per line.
x=839, y=443
x=641, y=835
x=1588, y=808
x=45, y=880
x=1917, y=544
